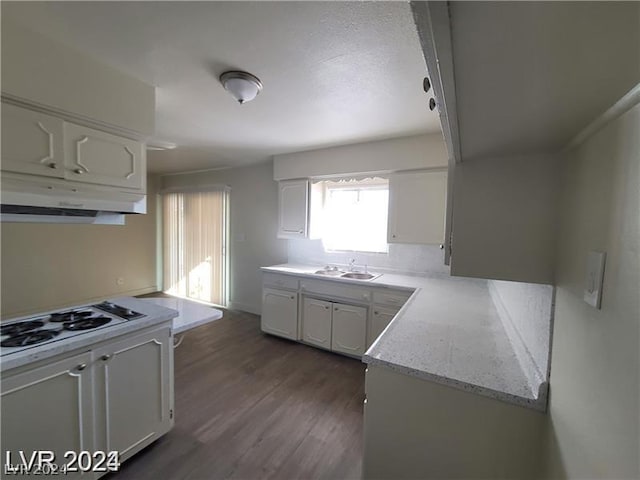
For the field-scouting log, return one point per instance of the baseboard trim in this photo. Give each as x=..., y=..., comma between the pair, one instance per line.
x=245, y=307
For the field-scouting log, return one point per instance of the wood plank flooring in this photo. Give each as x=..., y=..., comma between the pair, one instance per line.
x=253, y=406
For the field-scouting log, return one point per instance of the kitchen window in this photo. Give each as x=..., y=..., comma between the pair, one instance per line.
x=351, y=215
x=195, y=225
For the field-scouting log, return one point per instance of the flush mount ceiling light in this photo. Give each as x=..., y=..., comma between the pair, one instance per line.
x=242, y=85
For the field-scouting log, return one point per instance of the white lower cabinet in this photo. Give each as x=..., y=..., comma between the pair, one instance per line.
x=326, y=316
x=134, y=392
x=334, y=326
x=316, y=322
x=380, y=318
x=280, y=313
x=349, y=329
x=48, y=408
x=116, y=396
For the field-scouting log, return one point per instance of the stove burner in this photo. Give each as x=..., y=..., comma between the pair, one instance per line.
x=20, y=327
x=72, y=316
x=29, y=338
x=122, y=312
x=87, y=323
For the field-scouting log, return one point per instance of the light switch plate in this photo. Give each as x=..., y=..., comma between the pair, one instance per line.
x=595, y=276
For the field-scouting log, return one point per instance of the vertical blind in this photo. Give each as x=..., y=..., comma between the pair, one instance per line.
x=194, y=243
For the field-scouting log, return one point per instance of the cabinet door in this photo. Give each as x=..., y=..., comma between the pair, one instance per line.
x=417, y=203
x=48, y=408
x=316, y=322
x=349, y=329
x=280, y=313
x=134, y=391
x=380, y=318
x=293, y=198
x=98, y=157
x=32, y=142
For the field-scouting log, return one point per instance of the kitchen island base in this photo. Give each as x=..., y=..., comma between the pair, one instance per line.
x=414, y=428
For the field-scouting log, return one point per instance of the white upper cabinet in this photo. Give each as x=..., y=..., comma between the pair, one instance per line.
x=98, y=157
x=293, y=210
x=32, y=142
x=417, y=204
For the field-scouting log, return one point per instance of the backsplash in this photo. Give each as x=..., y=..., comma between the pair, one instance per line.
x=526, y=311
x=416, y=259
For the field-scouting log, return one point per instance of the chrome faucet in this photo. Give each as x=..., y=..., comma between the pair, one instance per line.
x=351, y=264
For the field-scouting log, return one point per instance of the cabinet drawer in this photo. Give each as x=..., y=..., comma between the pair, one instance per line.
x=391, y=297
x=335, y=289
x=280, y=281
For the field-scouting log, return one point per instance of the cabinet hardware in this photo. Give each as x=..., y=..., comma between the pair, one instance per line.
x=81, y=367
x=53, y=165
x=78, y=171
x=292, y=297
x=326, y=307
x=171, y=413
x=104, y=358
x=426, y=84
x=432, y=104
x=393, y=236
x=376, y=312
x=335, y=309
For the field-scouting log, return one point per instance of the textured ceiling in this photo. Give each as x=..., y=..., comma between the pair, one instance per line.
x=333, y=72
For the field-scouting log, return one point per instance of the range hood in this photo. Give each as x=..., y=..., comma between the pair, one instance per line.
x=53, y=201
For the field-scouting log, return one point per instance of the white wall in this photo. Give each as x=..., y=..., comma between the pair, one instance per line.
x=504, y=218
x=420, y=259
x=595, y=370
x=47, y=72
x=253, y=222
x=406, y=153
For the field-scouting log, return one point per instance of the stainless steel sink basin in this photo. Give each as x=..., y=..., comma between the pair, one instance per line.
x=358, y=275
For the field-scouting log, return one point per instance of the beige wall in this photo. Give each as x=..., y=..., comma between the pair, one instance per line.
x=47, y=72
x=594, y=411
x=47, y=266
x=253, y=222
x=404, y=153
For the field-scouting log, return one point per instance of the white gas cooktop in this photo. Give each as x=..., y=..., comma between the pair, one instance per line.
x=37, y=330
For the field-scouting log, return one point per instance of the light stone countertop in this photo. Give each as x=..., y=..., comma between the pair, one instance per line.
x=448, y=332
x=190, y=314
x=155, y=315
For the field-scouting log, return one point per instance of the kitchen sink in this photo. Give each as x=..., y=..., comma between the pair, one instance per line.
x=359, y=275
x=330, y=273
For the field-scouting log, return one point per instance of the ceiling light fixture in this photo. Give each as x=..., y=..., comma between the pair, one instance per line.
x=243, y=86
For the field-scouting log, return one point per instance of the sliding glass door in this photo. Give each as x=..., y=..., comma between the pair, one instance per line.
x=195, y=227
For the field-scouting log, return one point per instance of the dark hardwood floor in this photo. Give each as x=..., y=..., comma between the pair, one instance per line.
x=253, y=406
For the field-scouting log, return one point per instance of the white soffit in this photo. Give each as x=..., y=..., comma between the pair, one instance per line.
x=531, y=75
x=333, y=72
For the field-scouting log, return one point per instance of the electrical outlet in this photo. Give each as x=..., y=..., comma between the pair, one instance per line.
x=594, y=279
x=120, y=281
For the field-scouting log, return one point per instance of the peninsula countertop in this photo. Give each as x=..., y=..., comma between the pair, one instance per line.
x=448, y=332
